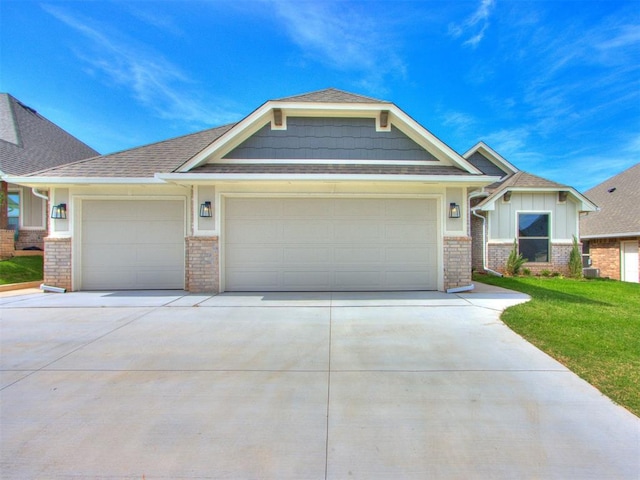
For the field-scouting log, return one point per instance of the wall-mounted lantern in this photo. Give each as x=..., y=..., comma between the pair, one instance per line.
x=454, y=210
x=206, y=210
x=59, y=212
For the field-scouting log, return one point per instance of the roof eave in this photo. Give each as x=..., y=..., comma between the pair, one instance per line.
x=489, y=203
x=610, y=235
x=60, y=181
x=191, y=178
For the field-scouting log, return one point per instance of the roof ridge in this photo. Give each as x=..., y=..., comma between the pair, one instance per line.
x=316, y=93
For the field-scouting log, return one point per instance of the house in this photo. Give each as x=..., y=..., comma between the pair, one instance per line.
x=28, y=143
x=323, y=191
x=541, y=216
x=611, y=236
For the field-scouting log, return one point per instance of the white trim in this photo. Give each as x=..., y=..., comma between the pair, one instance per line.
x=71, y=181
x=258, y=177
x=611, y=235
x=549, y=233
x=585, y=204
x=302, y=161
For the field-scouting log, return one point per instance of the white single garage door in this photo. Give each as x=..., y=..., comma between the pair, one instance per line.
x=320, y=244
x=132, y=244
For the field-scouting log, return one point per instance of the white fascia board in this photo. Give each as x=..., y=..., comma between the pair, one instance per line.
x=494, y=156
x=585, y=204
x=611, y=235
x=61, y=181
x=185, y=178
x=304, y=161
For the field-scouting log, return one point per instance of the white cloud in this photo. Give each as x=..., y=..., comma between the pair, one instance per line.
x=475, y=25
x=342, y=38
x=152, y=80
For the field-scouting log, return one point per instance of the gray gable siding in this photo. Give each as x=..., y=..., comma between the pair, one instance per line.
x=329, y=139
x=485, y=165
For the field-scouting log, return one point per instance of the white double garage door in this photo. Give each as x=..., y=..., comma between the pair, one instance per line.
x=268, y=244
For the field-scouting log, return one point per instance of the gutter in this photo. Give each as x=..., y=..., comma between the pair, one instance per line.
x=484, y=230
x=35, y=191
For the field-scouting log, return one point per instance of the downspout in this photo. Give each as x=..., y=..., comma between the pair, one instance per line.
x=484, y=230
x=35, y=191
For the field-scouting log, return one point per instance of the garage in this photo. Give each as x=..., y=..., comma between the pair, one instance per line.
x=132, y=244
x=330, y=244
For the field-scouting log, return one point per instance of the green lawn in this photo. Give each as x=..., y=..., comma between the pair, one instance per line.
x=591, y=326
x=21, y=269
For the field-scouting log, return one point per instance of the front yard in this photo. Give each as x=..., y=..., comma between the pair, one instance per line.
x=21, y=269
x=591, y=326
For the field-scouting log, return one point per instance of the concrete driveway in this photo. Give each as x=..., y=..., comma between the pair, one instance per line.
x=294, y=386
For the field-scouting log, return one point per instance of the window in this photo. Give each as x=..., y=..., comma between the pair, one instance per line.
x=13, y=211
x=533, y=236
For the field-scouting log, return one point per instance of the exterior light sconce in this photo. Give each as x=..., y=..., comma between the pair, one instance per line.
x=205, y=210
x=454, y=210
x=59, y=212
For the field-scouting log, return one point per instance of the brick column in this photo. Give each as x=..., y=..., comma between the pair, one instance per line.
x=202, y=267
x=57, y=262
x=7, y=243
x=457, y=262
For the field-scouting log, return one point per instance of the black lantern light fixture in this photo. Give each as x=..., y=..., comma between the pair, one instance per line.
x=205, y=210
x=454, y=210
x=59, y=212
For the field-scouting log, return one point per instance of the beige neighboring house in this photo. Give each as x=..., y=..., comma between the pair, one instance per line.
x=611, y=236
x=325, y=191
x=29, y=143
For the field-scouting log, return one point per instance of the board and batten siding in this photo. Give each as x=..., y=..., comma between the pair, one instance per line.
x=330, y=139
x=564, y=221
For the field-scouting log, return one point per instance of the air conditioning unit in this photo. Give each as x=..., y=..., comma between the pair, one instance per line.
x=591, y=272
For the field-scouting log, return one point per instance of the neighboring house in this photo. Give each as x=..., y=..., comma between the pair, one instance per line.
x=28, y=143
x=541, y=216
x=611, y=235
x=316, y=192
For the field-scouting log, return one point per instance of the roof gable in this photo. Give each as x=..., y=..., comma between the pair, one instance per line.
x=526, y=182
x=330, y=139
x=329, y=103
x=619, y=200
x=29, y=142
x=487, y=160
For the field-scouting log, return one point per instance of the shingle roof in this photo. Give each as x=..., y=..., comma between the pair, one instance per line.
x=29, y=142
x=619, y=202
x=327, y=169
x=141, y=162
x=331, y=95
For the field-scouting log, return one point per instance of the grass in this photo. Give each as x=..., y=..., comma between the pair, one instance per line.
x=21, y=269
x=590, y=326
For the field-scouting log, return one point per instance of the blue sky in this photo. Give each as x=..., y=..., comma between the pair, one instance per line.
x=553, y=86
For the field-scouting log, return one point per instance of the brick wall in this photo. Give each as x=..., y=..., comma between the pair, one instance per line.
x=202, y=264
x=457, y=262
x=605, y=255
x=57, y=262
x=30, y=238
x=499, y=253
x=6, y=243
x=476, y=243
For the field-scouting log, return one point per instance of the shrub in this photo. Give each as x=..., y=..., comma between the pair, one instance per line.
x=545, y=273
x=514, y=262
x=575, y=260
x=526, y=272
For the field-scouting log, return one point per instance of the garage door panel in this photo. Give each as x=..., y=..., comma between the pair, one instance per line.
x=247, y=256
x=305, y=280
x=294, y=231
x=330, y=244
x=311, y=255
x=132, y=244
x=255, y=231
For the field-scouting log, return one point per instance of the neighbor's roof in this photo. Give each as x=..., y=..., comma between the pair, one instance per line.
x=619, y=202
x=330, y=95
x=29, y=142
x=140, y=162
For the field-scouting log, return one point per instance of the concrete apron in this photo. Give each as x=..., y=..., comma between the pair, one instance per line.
x=407, y=385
